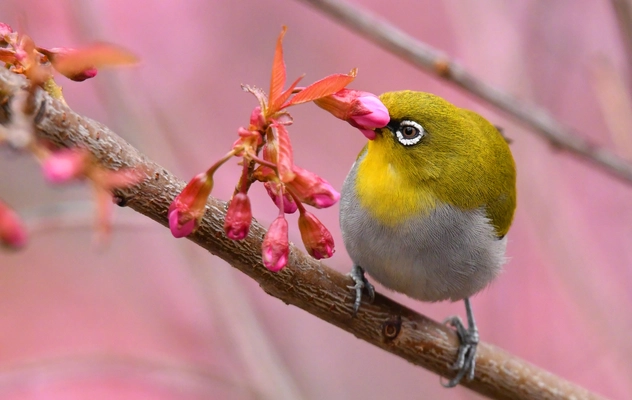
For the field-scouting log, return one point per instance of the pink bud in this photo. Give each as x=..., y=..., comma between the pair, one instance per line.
x=316, y=238
x=363, y=110
x=12, y=232
x=65, y=165
x=273, y=189
x=238, y=217
x=5, y=30
x=74, y=74
x=187, y=209
x=83, y=75
x=257, y=120
x=179, y=230
x=275, y=249
x=312, y=189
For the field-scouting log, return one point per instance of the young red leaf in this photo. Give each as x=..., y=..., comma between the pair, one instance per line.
x=258, y=93
x=7, y=56
x=277, y=80
x=324, y=87
x=277, y=104
x=285, y=158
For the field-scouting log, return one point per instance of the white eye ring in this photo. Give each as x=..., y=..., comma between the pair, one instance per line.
x=410, y=140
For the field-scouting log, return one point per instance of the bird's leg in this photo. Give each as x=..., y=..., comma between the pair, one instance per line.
x=465, y=362
x=361, y=283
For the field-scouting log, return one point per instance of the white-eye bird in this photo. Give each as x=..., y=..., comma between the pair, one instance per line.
x=427, y=205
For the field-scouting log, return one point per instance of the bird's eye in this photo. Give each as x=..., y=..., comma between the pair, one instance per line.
x=409, y=132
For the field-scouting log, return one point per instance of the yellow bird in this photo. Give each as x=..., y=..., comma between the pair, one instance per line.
x=427, y=205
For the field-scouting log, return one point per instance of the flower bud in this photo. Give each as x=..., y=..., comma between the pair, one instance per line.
x=362, y=110
x=238, y=217
x=65, y=165
x=316, y=238
x=5, y=30
x=273, y=189
x=312, y=189
x=257, y=120
x=187, y=209
x=12, y=231
x=275, y=249
x=77, y=74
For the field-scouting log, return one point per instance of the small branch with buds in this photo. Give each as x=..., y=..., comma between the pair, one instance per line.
x=305, y=282
x=421, y=55
x=288, y=185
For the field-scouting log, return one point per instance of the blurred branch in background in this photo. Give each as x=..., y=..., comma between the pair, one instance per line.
x=623, y=12
x=615, y=103
x=305, y=283
x=425, y=57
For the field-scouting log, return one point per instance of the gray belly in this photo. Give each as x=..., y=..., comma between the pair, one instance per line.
x=448, y=254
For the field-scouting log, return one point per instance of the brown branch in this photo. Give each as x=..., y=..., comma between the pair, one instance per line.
x=623, y=12
x=305, y=282
x=425, y=57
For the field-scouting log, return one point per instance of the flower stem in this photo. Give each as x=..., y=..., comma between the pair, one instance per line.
x=211, y=171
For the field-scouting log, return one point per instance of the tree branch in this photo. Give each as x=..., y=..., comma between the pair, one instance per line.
x=623, y=13
x=305, y=282
x=425, y=57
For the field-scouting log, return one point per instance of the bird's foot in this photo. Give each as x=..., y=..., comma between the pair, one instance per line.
x=360, y=284
x=465, y=363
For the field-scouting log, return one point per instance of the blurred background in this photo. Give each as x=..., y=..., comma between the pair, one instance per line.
x=149, y=316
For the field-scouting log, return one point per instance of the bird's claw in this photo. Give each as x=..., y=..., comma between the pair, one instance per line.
x=360, y=284
x=465, y=362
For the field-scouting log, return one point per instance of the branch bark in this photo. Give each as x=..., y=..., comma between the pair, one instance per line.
x=427, y=58
x=305, y=282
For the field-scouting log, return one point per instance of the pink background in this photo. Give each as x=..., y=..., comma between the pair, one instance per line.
x=153, y=317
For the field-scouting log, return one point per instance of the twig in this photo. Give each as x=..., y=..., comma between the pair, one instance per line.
x=423, y=56
x=623, y=12
x=305, y=282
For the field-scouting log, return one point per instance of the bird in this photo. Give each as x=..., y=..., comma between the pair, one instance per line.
x=426, y=208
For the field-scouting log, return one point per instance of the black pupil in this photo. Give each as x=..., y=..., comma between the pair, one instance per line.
x=409, y=132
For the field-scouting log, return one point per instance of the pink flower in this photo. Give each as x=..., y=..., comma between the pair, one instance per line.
x=316, y=238
x=187, y=209
x=312, y=189
x=12, y=232
x=273, y=189
x=363, y=110
x=65, y=165
x=238, y=217
x=275, y=249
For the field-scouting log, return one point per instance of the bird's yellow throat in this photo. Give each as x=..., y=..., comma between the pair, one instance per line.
x=384, y=191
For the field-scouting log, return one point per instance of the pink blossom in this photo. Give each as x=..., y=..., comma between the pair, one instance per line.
x=179, y=230
x=312, y=189
x=65, y=165
x=273, y=189
x=12, y=231
x=317, y=240
x=363, y=110
x=238, y=217
x=275, y=249
x=187, y=209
